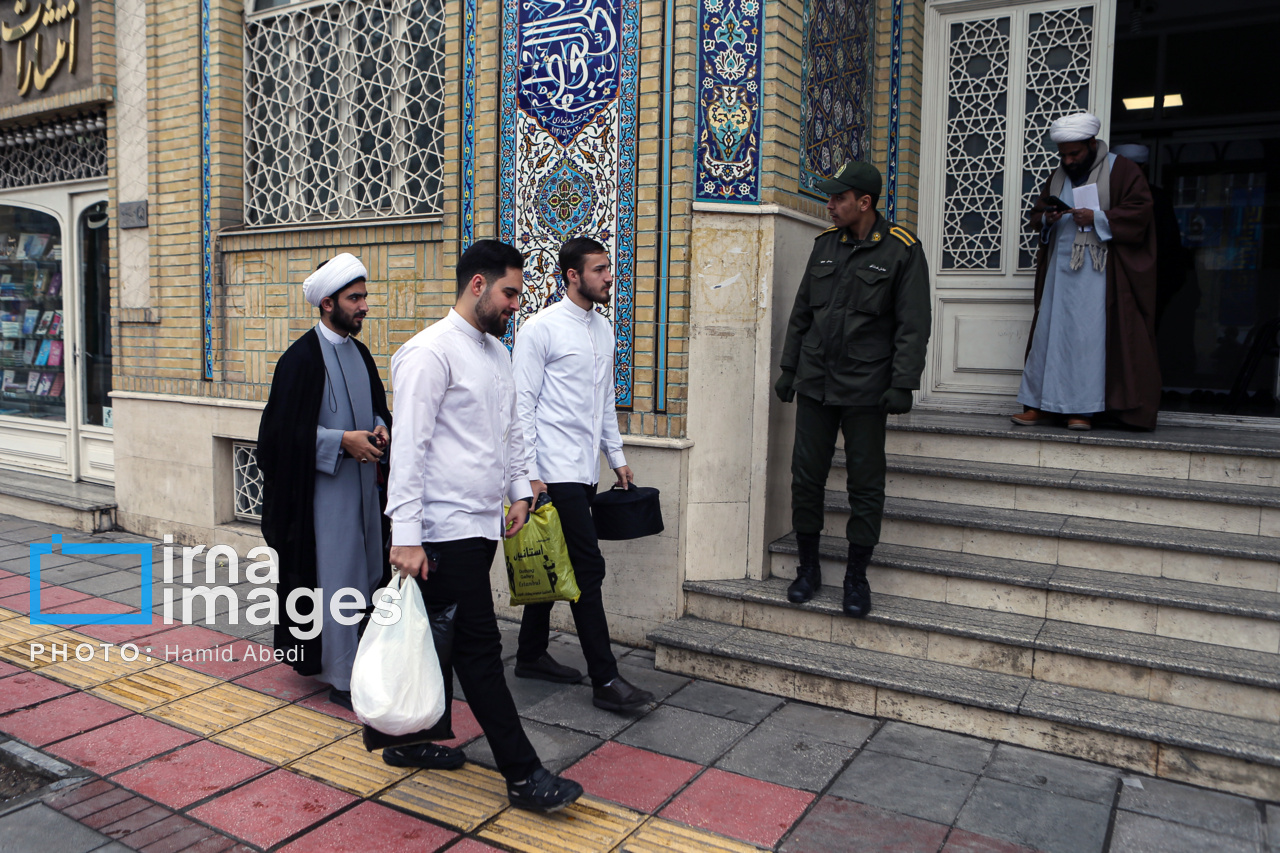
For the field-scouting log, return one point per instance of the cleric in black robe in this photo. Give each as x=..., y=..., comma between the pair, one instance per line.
x=323, y=434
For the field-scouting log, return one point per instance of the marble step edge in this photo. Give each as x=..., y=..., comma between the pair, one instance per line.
x=82, y=497
x=1170, y=654
x=1187, y=439
x=1084, y=481
x=1205, y=731
x=1170, y=592
x=1246, y=546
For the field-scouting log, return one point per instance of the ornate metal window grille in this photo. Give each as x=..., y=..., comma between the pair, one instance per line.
x=344, y=111
x=976, y=140
x=68, y=150
x=1059, y=71
x=835, y=104
x=247, y=481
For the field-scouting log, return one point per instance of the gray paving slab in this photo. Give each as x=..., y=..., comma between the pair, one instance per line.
x=786, y=757
x=905, y=786
x=557, y=748
x=566, y=650
x=132, y=561
x=70, y=573
x=1035, y=818
x=1138, y=833
x=47, y=562
x=34, y=828
x=683, y=734
x=660, y=684
x=1273, y=825
x=932, y=746
x=720, y=700
x=105, y=581
x=1222, y=814
x=530, y=691
x=835, y=726
x=1056, y=774
x=572, y=709
x=13, y=551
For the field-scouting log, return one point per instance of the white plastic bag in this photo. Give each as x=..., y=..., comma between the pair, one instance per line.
x=396, y=685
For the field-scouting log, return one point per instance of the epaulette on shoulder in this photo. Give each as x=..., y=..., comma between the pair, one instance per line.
x=828, y=231
x=903, y=234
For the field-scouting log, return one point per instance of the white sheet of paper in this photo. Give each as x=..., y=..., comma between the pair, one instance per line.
x=1085, y=197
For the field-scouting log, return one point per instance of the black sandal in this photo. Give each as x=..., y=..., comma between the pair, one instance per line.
x=543, y=792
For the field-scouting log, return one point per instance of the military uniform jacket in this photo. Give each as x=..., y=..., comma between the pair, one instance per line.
x=860, y=323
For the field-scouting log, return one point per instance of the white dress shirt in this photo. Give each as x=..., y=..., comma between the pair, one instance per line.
x=565, y=394
x=457, y=448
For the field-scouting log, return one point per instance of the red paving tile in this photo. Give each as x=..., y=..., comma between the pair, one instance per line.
x=320, y=702
x=50, y=597
x=133, y=813
x=120, y=745
x=268, y=810
x=836, y=824
x=470, y=845
x=124, y=633
x=963, y=841
x=184, y=638
x=281, y=681
x=465, y=727
x=26, y=689
x=740, y=807
x=633, y=777
x=93, y=805
x=69, y=797
x=236, y=662
x=88, y=607
x=4, y=573
x=15, y=584
x=9, y=669
x=170, y=834
x=371, y=828
x=193, y=773
x=61, y=718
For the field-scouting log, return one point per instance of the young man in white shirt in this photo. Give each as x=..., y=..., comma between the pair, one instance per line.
x=563, y=361
x=457, y=452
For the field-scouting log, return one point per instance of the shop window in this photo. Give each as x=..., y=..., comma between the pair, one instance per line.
x=344, y=110
x=247, y=481
x=32, y=355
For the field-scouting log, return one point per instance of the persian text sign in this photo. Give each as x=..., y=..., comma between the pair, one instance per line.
x=44, y=49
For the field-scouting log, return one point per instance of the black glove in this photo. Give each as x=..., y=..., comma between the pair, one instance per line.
x=896, y=401
x=783, y=386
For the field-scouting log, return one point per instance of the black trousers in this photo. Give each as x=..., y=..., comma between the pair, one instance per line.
x=461, y=576
x=816, y=427
x=573, y=502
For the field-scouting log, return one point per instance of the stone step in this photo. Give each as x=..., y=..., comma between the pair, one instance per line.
x=1223, y=507
x=1164, y=606
x=88, y=507
x=1144, y=666
x=1201, y=747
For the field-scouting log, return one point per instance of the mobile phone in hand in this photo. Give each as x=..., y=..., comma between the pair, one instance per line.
x=1054, y=203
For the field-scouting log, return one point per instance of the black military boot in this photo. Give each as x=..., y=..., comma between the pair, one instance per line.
x=809, y=573
x=857, y=592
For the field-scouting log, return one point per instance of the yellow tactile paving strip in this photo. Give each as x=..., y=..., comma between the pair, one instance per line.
x=216, y=709
x=8, y=614
x=663, y=836
x=16, y=630
x=152, y=688
x=100, y=670
x=64, y=642
x=284, y=735
x=461, y=799
x=349, y=766
x=587, y=826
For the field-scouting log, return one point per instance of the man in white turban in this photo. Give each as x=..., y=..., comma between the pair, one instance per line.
x=1092, y=346
x=322, y=437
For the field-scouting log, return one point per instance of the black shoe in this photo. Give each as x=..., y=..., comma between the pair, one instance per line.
x=809, y=573
x=546, y=669
x=543, y=792
x=431, y=756
x=857, y=592
x=621, y=695
x=341, y=698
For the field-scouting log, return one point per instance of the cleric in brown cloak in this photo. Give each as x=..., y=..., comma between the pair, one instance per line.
x=323, y=432
x=1093, y=345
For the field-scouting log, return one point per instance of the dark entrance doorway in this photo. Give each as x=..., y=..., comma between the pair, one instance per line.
x=1190, y=84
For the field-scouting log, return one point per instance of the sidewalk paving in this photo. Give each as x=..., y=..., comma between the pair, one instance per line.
x=244, y=755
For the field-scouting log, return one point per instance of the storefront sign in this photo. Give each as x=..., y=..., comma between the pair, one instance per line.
x=44, y=49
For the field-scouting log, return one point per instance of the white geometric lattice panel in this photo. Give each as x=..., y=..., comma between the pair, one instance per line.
x=66, y=150
x=344, y=111
x=1059, y=74
x=976, y=144
x=247, y=480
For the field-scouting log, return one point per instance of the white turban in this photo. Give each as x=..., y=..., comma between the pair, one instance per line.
x=1075, y=128
x=1136, y=153
x=332, y=277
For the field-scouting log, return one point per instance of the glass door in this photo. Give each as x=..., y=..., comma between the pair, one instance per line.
x=93, y=352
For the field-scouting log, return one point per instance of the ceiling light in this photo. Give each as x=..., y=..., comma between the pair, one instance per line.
x=1147, y=103
x=1173, y=100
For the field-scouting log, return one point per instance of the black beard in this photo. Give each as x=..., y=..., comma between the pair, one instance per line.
x=344, y=322
x=490, y=320
x=1080, y=172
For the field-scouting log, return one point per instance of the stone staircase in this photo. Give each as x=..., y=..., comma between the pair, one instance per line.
x=1112, y=596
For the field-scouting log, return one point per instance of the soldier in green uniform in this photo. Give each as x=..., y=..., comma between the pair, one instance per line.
x=854, y=352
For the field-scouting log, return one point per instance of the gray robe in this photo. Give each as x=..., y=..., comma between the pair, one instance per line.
x=348, y=524
x=1066, y=370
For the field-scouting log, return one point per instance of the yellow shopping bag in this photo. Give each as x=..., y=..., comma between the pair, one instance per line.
x=538, y=567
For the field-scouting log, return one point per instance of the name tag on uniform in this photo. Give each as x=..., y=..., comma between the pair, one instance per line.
x=876, y=268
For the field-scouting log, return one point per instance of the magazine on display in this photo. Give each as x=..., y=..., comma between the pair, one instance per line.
x=45, y=383
x=32, y=246
x=55, y=353
x=29, y=321
x=42, y=357
x=29, y=348
x=46, y=320
x=55, y=327
x=55, y=390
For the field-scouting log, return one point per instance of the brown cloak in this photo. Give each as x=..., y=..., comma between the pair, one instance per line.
x=1133, y=370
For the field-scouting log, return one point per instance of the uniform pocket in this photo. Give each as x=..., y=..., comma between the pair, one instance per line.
x=873, y=292
x=821, y=283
